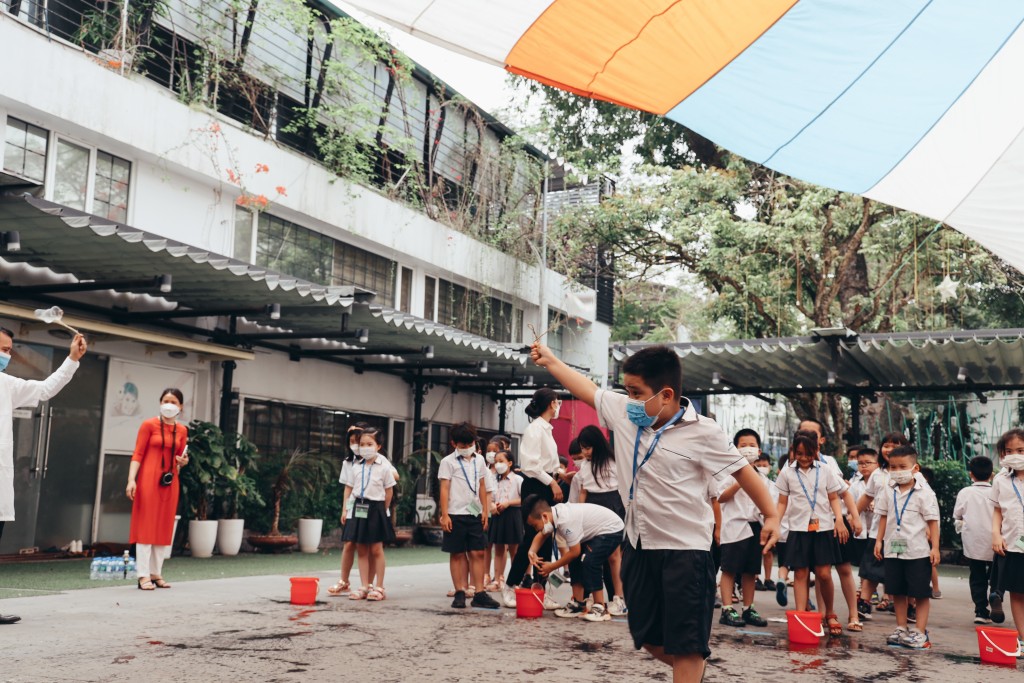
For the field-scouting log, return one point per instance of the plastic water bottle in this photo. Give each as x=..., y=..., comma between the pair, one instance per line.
x=94, y=569
x=126, y=558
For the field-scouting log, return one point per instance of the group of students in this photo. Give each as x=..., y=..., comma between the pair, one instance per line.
x=485, y=504
x=883, y=518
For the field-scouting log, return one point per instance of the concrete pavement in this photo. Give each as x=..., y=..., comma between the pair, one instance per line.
x=244, y=629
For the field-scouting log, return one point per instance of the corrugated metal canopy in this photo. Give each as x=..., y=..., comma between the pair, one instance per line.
x=969, y=361
x=60, y=245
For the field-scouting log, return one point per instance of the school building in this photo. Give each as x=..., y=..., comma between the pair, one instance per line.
x=263, y=205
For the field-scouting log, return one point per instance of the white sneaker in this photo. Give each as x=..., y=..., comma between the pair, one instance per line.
x=617, y=607
x=549, y=603
x=598, y=613
x=508, y=596
x=572, y=610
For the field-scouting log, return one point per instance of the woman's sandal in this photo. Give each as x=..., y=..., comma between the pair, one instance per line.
x=338, y=589
x=831, y=621
x=159, y=582
x=882, y=605
x=855, y=626
x=359, y=594
x=376, y=594
x=146, y=585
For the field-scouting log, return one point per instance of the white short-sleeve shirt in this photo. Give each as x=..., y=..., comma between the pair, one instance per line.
x=670, y=509
x=465, y=475
x=490, y=481
x=577, y=523
x=1012, y=509
x=345, y=478
x=575, y=486
x=509, y=487
x=922, y=508
x=606, y=483
x=975, y=508
x=876, y=483
x=737, y=514
x=799, y=511
x=857, y=488
x=371, y=480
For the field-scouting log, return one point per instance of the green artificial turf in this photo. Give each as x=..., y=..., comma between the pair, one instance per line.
x=25, y=579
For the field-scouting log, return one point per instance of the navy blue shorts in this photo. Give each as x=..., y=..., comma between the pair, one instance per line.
x=588, y=569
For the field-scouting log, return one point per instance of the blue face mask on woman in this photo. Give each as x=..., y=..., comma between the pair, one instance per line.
x=636, y=411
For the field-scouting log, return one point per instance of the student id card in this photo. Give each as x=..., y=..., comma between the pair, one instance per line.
x=361, y=510
x=474, y=508
x=813, y=524
x=555, y=580
x=1019, y=542
x=898, y=545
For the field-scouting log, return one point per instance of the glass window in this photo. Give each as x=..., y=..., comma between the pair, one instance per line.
x=293, y=250
x=71, y=178
x=429, y=298
x=472, y=311
x=556, y=337
x=406, y=303
x=243, y=234
x=110, y=195
x=25, y=150
x=355, y=266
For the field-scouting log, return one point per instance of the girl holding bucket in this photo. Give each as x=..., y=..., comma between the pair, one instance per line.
x=1008, y=524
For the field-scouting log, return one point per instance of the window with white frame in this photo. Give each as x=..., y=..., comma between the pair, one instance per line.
x=25, y=150
x=87, y=179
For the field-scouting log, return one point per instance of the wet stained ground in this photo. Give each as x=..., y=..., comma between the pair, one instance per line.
x=244, y=629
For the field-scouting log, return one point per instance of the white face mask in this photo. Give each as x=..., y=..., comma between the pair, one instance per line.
x=901, y=477
x=501, y=467
x=750, y=453
x=354, y=447
x=1013, y=462
x=548, y=528
x=367, y=452
x=764, y=470
x=170, y=410
x=490, y=458
x=465, y=452
x=558, y=409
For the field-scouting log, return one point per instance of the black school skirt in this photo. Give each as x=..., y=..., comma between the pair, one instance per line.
x=374, y=528
x=506, y=527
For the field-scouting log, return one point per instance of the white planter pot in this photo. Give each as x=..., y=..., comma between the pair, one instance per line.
x=202, y=536
x=229, y=535
x=309, y=534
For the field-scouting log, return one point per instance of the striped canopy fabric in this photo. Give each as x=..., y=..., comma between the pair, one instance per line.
x=915, y=103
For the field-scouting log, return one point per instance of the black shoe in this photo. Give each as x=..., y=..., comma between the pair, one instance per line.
x=911, y=614
x=482, y=599
x=995, y=604
x=9, y=619
x=759, y=585
x=460, y=600
x=730, y=617
x=751, y=617
x=769, y=585
x=780, y=594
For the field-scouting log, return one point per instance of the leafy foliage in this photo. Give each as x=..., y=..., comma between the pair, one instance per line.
x=295, y=484
x=949, y=477
x=217, y=477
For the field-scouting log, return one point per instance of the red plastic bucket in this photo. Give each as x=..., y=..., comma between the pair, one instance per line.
x=529, y=603
x=805, y=628
x=304, y=590
x=998, y=645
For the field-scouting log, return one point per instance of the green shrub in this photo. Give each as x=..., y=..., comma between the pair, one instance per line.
x=950, y=477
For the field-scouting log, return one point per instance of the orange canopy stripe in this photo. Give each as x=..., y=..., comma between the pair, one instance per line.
x=645, y=54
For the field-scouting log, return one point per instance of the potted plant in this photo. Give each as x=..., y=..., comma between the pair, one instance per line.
x=300, y=473
x=237, y=486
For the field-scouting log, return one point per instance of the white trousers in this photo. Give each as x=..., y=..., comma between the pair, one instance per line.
x=149, y=559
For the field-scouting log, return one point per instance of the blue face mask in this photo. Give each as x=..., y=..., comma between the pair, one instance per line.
x=5, y=358
x=636, y=411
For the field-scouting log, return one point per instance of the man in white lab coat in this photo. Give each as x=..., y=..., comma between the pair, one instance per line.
x=20, y=393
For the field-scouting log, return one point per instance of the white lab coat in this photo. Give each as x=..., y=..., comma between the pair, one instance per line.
x=22, y=393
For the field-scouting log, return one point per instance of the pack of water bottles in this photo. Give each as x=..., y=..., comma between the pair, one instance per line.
x=113, y=568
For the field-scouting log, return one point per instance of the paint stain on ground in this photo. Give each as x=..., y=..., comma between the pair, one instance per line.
x=123, y=659
x=276, y=636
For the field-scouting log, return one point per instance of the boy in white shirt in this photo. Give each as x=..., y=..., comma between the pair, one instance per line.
x=972, y=517
x=664, y=455
x=591, y=534
x=741, y=536
x=908, y=539
x=465, y=508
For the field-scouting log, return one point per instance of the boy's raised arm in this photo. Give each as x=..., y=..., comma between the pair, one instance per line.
x=575, y=383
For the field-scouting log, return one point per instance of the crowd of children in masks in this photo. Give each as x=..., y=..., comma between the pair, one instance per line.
x=882, y=517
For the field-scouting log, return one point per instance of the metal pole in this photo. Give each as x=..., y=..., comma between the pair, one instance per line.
x=502, y=409
x=542, y=300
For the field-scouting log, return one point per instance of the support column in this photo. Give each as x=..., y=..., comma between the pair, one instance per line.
x=227, y=381
x=502, y=409
x=855, y=436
